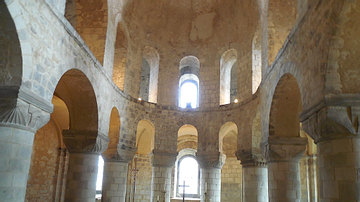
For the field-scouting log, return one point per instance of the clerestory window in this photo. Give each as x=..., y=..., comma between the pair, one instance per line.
x=189, y=82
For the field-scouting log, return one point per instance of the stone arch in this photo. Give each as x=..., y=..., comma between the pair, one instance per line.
x=228, y=138
x=11, y=58
x=120, y=55
x=227, y=75
x=90, y=21
x=285, y=108
x=282, y=15
x=75, y=89
x=187, y=137
x=114, y=134
x=149, y=74
x=49, y=154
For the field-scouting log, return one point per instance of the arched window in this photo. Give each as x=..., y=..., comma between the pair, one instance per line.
x=188, y=177
x=189, y=82
x=149, y=75
x=228, y=77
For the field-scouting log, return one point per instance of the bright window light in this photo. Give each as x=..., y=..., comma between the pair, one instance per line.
x=188, y=95
x=100, y=174
x=188, y=173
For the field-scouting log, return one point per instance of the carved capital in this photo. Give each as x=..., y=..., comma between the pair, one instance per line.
x=85, y=141
x=333, y=122
x=251, y=157
x=211, y=160
x=160, y=158
x=119, y=155
x=277, y=149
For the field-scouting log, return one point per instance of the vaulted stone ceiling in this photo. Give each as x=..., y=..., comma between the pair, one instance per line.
x=190, y=25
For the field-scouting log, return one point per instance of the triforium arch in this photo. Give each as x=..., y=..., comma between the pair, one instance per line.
x=284, y=147
x=90, y=21
x=228, y=76
x=149, y=74
x=120, y=55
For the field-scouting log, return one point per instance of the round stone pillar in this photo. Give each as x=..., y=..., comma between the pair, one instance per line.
x=115, y=174
x=19, y=120
x=162, y=163
x=283, y=156
x=84, y=147
x=211, y=164
x=255, y=175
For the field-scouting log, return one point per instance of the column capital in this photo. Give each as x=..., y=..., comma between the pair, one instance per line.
x=211, y=159
x=20, y=108
x=85, y=141
x=277, y=149
x=119, y=154
x=335, y=117
x=250, y=157
x=159, y=158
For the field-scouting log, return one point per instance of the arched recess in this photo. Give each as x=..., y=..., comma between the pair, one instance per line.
x=48, y=168
x=114, y=134
x=187, y=137
x=189, y=71
x=10, y=50
x=285, y=108
x=256, y=60
x=282, y=16
x=120, y=56
x=145, y=137
x=228, y=75
x=228, y=139
x=187, y=143
x=90, y=20
x=75, y=89
x=149, y=74
x=231, y=172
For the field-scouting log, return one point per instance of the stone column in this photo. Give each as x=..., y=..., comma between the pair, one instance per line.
x=20, y=118
x=162, y=163
x=283, y=155
x=115, y=174
x=255, y=175
x=211, y=164
x=335, y=130
x=84, y=147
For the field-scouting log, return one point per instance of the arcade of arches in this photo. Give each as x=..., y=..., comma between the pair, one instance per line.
x=275, y=115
